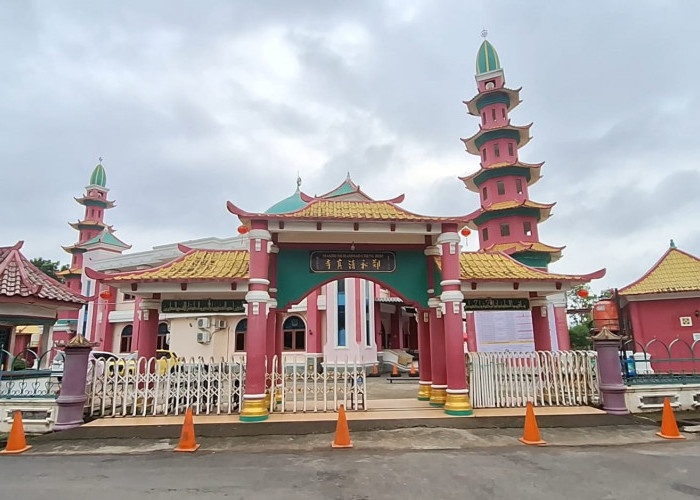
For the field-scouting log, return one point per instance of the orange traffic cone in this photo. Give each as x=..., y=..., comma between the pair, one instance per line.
x=16, y=443
x=413, y=372
x=375, y=372
x=187, y=439
x=532, y=432
x=395, y=372
x=342, y=433
x=669, y=428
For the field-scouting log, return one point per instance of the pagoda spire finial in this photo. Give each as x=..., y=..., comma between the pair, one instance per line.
x=298, y=181
x=484, y=33
x=99, y=159
x=673, y=244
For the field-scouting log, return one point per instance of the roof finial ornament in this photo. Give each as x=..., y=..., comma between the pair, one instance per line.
x=99, y=158
x=484, y=33
x=673, y=245
x=298, y=181
x=348, y=178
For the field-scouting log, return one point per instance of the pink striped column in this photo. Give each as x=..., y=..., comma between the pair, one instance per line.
x=563, y=338
x=424, y=362
x=540, y=328
x=146, y=314
x=457, y=401
x=254, y=408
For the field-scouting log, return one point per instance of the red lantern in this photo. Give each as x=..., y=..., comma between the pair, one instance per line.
x=106, y=295
x=583, y=293
x=466, y=231
x=242, y=229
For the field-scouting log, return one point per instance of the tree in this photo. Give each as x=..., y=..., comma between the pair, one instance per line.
x=49, y=267
x=581, y=321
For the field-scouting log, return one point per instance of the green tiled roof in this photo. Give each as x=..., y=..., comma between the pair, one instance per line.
x=98, y=177
x=487, y=59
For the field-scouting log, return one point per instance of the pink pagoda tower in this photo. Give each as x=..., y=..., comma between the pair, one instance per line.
x=95, y=238
x=507, y=220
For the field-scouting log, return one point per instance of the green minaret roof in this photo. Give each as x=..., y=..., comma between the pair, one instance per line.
x=98, y=177
x=487, y=59
x=289, y=204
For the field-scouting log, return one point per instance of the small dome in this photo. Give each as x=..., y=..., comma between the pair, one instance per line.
x=487, y=59
x=289, y=204
x=98, y=177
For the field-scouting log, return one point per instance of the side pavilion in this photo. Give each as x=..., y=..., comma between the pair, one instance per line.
x=29, y=297
x=313, y=240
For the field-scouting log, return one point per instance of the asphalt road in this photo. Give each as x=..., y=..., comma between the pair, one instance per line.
x=667, y=470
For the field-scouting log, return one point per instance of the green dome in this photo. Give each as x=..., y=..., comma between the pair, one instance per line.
x=290, y=204
x=487, y=59
x=98, y=177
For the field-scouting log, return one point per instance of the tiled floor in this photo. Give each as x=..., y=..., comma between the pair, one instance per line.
x=382, y=409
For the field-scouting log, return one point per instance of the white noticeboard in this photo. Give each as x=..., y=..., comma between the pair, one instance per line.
x=498, y=331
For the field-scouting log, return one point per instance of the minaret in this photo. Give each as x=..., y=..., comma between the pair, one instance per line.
x=507, y=220
x=96, y=240
x=95, y=202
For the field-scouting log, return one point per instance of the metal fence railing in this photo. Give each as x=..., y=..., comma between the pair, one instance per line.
x=659, y=362
x=150, y=386
x=23, y=377
x=546, y=378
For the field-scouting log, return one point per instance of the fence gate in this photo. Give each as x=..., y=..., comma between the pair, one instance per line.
x=150, y=386
x=305, y=384
x=546, y=378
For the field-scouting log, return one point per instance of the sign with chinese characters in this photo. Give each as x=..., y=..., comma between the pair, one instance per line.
x=352, y=262
x=202, y=306
x=510, y=304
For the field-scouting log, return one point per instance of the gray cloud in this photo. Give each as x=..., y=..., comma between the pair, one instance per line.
x=192, y=107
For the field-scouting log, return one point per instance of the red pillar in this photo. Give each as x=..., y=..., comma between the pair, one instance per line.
x=563, y=338
x=540, y=328
x=457, y=401
x=146, y=327
x=279, y=340
x=395, y=335
x=254, y=408
x=471, y=332
x=424, y=362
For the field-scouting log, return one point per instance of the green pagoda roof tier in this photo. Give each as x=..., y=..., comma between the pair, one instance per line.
x=541, y=211
x=509, y=97
x=487, y=59
x=98, y=176
x=90, y=201
x=531, y=172
x=87, y=224
x=521, y=135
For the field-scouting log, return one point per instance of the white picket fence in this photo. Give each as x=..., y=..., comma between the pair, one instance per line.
x=149, y=386
x=546, y=378
x=305, y=384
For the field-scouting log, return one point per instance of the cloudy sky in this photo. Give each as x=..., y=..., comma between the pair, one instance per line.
x=192, y=104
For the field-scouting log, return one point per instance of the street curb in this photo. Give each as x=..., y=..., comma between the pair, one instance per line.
x=242, y=429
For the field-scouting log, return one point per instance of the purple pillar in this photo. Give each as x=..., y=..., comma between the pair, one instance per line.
x=612, y=390
x=72, y=398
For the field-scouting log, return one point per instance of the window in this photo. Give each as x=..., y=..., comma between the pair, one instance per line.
x=503, y=113
x=519, y=186
x=527, y=228
x=483, y=154
x=496, y=150
x=510, y=148
x=505, y=229
x=484, y=194
x=294, y=334
x=501, y=187
x=493, y=114
x=128, y=296
x=485, y=234
x=125, y=339
x=483, y=116
x=341, y=340
x=241, y=330
x=163, y=337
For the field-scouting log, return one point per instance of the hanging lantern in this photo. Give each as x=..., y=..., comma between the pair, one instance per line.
x=242, y=229
x=106, y=295
x=466, y=231
x=583, y=293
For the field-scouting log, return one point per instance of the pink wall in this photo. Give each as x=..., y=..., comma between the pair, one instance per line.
x=517, y=231
x=660, y=319
x=503, y=156
x=511, y=192
x=498, y=80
